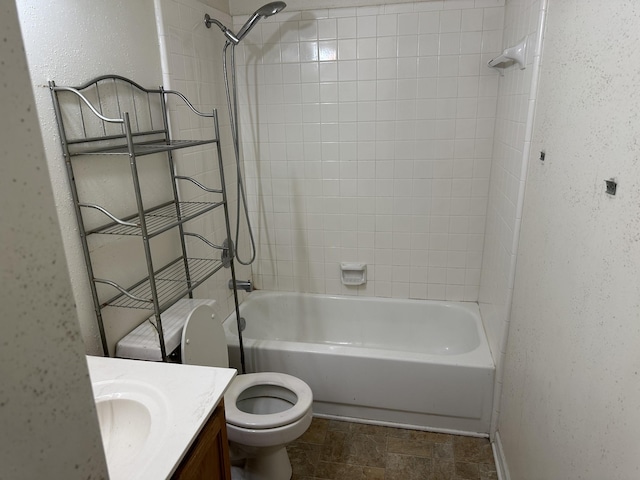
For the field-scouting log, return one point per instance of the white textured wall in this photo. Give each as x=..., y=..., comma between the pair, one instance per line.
x=152, y=42
x=571, y=392
x=47, y=416
x=71, y=42
x=368, y=136
x=512, y=142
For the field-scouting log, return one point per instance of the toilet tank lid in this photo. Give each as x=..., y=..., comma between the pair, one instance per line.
x=142, y=342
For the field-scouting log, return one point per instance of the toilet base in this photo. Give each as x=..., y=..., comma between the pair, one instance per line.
x=272, y=466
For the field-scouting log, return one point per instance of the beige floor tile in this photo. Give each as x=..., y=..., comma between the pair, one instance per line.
x=474, y=450
x=304, y=457
x=338, y=450
x=335, y=447
x=342, y=471
x=406, y=467
x=409, y=446
x=339, y=425
x=443, y=450
x=467, y=471
x=443, y=470
x=317, y=432
x=366, y=450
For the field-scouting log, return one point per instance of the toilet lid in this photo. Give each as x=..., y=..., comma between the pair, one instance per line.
x=203, y=340
x=241, y=419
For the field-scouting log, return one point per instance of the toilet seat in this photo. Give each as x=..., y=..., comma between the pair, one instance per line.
x=240, y=384
x=204, y=343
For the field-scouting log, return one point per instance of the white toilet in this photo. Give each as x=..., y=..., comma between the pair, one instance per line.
x=265, y=411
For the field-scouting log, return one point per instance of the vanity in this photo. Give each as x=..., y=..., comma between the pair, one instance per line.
x=161, y=420
x=208, y=457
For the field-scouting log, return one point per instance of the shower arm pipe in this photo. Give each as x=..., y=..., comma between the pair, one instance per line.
x=263, y=12
x=231, y=37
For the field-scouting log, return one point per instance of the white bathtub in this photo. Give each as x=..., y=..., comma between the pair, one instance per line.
x=411, y=363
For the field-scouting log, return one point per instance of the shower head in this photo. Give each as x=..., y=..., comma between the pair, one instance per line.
x=263, y=12
x=270, y=9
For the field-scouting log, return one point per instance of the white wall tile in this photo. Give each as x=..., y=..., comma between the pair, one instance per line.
x=408, y=24
x=450, y=21
x=366, y=121
x=512, y=111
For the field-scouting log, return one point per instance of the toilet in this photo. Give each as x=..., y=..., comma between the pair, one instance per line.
x=265, y=411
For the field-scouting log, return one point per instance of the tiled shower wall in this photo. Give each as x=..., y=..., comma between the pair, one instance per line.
x=367, y=136
x=514, y=124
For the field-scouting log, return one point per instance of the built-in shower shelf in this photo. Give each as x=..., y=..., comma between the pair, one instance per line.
x=158, y=220
x=172, y=283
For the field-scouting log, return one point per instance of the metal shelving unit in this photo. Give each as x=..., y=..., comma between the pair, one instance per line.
x=112, y=115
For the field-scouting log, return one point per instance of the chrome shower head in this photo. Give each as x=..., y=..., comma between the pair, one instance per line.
x=263, y=12
x=270, y=9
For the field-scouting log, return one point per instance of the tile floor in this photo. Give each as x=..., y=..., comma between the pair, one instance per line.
x=335, y=450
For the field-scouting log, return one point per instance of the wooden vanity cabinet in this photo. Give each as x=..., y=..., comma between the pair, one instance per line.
x=208, y=457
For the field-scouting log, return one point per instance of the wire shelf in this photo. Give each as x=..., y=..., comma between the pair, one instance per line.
x=160, y=220
x=171, y=284
x=140, y=149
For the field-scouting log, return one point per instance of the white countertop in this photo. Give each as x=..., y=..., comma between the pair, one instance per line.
x=182, y=397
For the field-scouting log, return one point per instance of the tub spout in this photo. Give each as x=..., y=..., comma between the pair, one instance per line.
x=245, y=285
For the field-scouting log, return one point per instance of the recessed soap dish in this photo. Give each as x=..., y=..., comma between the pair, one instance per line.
x=353, y=273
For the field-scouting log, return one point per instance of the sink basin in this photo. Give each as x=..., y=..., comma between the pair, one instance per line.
x=125, y=426
x=151, y=412
x=133, y=420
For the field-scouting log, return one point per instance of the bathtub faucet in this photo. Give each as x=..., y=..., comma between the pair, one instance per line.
x=245, y=285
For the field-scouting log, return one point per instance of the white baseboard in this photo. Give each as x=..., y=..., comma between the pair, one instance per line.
x=498, y=456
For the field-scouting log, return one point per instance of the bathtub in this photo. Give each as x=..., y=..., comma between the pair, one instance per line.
x=407, y=363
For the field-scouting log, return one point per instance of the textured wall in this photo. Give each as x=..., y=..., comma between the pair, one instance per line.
x=84, y=40
x=569, y=407
x=47, y=416
x=367, y=136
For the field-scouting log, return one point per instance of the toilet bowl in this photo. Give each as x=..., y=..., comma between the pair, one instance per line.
x=264, y=411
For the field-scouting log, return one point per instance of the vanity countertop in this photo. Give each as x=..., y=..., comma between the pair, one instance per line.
x=178, y=398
